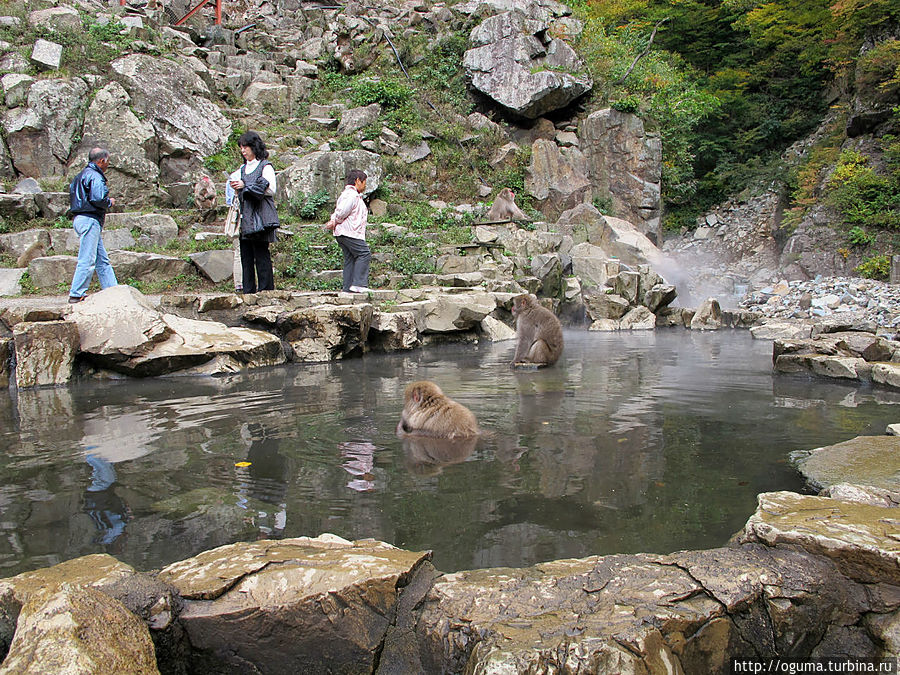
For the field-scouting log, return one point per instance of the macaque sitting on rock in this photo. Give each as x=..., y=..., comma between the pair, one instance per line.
x=36, y=250
x=205, y=197
x=538, y=333
x=504, y=208
x=428, y=412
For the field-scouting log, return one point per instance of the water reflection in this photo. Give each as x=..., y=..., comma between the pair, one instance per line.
x=428, y=456
x=106, y=509
x=632, y=442
x=359, y=461
x=262, y=478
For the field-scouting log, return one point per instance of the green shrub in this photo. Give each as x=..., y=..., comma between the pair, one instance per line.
x=627, y=104
x=309, y=207
x=389, y=93
x=859, y=237
x=863, y=196
x=875, y=267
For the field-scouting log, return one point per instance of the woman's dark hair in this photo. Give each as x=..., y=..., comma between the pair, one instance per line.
x=355, y=175
x=251, y=139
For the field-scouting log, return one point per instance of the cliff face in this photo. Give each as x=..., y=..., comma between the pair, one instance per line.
x=442, y=103
x=797, y=229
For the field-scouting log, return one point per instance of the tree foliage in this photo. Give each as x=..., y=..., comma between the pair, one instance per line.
x=730, y=83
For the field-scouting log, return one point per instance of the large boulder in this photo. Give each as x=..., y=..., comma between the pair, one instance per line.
x=267, y=606
x=688, y=612
x=327, y=171
x=450, y=313
x=326, y=332
x=56, y=18
x=557, y=177
x=77, y=629
x=52, y=271
x=208, y=348
x=10, y=280
x=45, y=352
x=41, y=135
x=593, y=266
x=117, y=324
x=357, y=118
x=862, y=540
x=393, y=331
x=217, y=266
x=98, y=571
x=16, y=243
x=515, y=61
x=122, y=331
x=269, y=97
x=156, y=229
x=6, y=350
x=864, y=460
x=175, y=101
x=110, y=122
x=139, y=265
x=708, y=316
x=17, y=207
x=624, y=166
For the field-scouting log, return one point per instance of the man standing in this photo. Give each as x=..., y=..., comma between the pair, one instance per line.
x=349, y=225
x=89, y=201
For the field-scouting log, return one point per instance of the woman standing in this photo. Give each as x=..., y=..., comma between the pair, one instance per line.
x=255, y=185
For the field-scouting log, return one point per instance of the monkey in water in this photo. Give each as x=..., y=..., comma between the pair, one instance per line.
x=427, y=411
x=36, y=250
x=504, y=207
x=538, y=332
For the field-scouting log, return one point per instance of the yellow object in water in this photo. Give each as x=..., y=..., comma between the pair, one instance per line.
x=243, y=463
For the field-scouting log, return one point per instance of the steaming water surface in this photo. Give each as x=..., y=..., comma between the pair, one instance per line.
x=633, y=442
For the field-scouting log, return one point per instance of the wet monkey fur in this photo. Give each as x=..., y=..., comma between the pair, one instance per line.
x=427, y=411
x=538, y=332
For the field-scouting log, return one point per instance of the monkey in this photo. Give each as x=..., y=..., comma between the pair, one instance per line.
x=427, y=411
x=504, y=207
x=428, y=456
x=538, y=332
x=205, y=197
x=344, y=54
x=36, y=250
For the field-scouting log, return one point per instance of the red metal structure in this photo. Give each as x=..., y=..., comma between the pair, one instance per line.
x=197, y=8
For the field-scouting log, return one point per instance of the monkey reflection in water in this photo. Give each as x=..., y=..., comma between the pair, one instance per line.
x=436, y=430
x=539, y=336
x=428, y=456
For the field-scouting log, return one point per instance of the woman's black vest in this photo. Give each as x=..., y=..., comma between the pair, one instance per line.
x=259, y=218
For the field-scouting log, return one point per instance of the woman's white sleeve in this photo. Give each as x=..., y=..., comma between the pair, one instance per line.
x=269, y=174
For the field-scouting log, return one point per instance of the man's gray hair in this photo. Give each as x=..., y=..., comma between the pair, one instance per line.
x=97, y=153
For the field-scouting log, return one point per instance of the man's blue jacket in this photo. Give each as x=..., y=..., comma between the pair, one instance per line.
x=88, y=194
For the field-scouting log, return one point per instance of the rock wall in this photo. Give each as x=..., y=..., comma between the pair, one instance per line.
x=807, y=577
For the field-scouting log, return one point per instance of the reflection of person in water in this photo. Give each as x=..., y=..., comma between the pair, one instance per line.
x=359, y=461
x=265, y=479
x=109, y=512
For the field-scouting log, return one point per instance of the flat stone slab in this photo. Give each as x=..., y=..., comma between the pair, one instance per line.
x=294, y=598
x=864, y=460
x=862, y=540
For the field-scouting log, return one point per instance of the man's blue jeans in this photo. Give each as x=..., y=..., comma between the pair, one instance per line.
x=91, y=256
